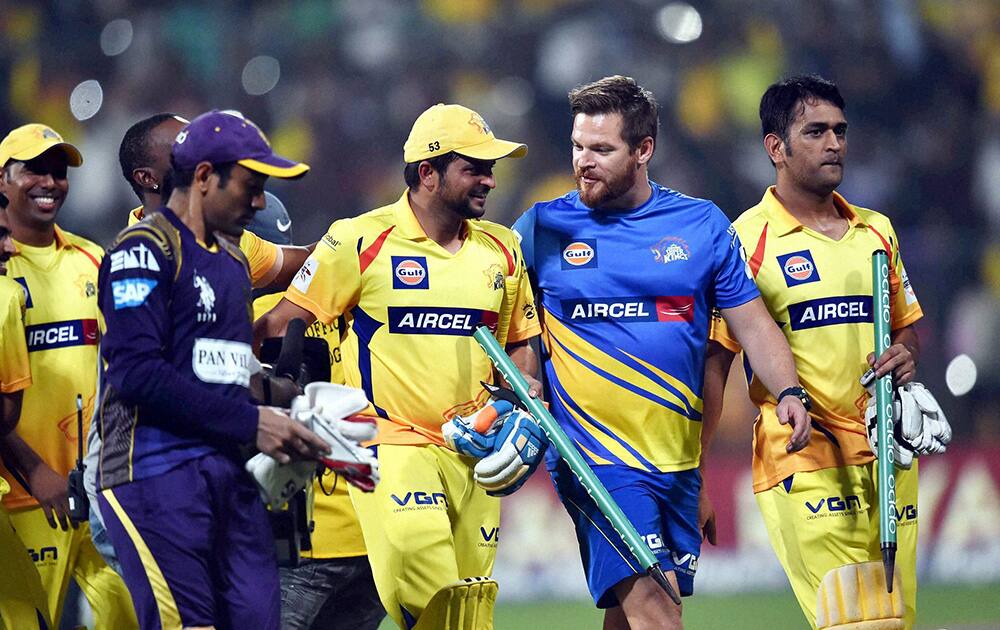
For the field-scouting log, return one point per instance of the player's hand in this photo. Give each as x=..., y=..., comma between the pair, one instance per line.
x=706, y=516
x=896, y=359
x=285, y=439
x=791, y=411
x=534, y=385
x=52, y=492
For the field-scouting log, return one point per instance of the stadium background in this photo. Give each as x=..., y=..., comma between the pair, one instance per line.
x=338, y=85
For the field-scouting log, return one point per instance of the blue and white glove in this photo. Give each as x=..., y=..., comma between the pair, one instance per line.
x=518, y=449
x=476, y=435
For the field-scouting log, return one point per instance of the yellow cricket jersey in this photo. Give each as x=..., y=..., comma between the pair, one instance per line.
x=263, y=257
x=336, y=532
x=819, y=291
x=413, y=307
x=15, y=373
x=61, y=326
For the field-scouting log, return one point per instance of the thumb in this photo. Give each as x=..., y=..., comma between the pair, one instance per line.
x=871, y=358
x=782, y=412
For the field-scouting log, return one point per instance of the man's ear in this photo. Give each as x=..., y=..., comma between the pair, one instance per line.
x=202, y=173
x=145, y=177
x=775, y=147
x=429, y=178
x=644, y=152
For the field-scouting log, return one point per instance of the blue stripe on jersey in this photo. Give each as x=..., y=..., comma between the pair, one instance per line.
x=625, y=384
x=692, y=413
x=598, y=447
x=365, y=327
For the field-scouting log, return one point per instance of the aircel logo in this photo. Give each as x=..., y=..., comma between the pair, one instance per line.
x=579, y=254
x=841, y=309
x=78, y=332
x=662, y=308
x=798, y=268
x=430, y=320
x=409, y=272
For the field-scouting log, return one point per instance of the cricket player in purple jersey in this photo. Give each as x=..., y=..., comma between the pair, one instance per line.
x=185, y=519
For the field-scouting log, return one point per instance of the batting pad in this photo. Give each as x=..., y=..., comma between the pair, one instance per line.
x=853, y=597
x=464, y=605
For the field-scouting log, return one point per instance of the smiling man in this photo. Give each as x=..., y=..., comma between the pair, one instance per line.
x=58, y=273
x=627, y=273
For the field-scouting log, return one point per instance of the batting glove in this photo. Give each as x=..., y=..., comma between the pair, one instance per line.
x=519, y=448
x=476, y=435
x=935, y=432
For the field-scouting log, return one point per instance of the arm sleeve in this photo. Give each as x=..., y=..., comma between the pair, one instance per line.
x=733, y=282
x=15, y=372
x=719, y=332
x=524, y=231
x=905, y=307
x=262, y=256
x=329, y=282
x=523, y=318
x=135, y=303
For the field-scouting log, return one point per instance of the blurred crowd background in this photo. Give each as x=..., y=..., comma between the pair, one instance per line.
x=338, y=84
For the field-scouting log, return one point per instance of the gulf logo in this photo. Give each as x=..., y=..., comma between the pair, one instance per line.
x=798, y=268
x=578, y=253
x=409, y=272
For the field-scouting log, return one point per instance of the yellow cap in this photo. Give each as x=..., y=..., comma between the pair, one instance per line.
x=444, y=128
x=29, y=141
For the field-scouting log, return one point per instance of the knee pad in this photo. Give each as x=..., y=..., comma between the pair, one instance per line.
x=854, y=597
x=464, y=605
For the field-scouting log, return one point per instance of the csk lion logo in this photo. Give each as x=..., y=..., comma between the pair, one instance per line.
x=477, y=121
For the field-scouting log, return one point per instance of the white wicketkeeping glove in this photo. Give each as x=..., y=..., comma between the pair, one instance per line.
x=326, y=409
x=935, y=432
x=902, y=425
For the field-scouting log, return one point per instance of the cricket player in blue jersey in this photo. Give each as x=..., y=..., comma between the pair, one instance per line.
x=627, y=272
x=186, y=520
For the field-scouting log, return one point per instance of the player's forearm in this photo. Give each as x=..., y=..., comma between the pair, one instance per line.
x=291, y=260
x=274, y=323
x=523, y=357
x=764, y=345
x=717, y=363
x=10, y=411
x=18, y=456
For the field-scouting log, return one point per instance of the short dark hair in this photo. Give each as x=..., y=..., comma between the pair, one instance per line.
x=621, y=95
x=439, y=163
x=134, y=150
x=781, y=102
x=181, y=180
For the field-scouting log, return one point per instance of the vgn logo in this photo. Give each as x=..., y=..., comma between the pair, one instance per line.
x=418, y=500
x=579, y=254
x=849, y=504
x=798, y=268
x=410, y=272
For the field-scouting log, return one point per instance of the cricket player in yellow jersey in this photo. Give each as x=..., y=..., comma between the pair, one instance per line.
x=811, y=259
x=332, y=587
x=414, y=279
x=21, y=593
x=58, y=272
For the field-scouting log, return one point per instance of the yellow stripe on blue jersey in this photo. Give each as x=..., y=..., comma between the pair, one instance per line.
x=61, y=326
x=413, y=307
x=262, y=255
x=336, y=531
x=819, y=291
x=15, y=372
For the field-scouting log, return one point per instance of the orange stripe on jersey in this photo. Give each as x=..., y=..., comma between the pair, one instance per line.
x=893, y=278
x=758, y=254
x=885, y=243
x=366, y=257
x=89, y=255
x=506, y=252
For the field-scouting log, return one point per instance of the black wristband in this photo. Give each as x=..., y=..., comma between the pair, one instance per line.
x=798, y=392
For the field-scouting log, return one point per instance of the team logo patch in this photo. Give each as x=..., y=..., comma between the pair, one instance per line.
x=27, y=294
x=494, y=277
x=206, y=298
x=75, y=332
x=579, y=254
x=798, y=268
x=304, y=277
x=410, y=272
x=131, y=292
x=670, y=249
x=846, y=309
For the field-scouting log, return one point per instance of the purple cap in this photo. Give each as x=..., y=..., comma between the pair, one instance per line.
x=225, y=136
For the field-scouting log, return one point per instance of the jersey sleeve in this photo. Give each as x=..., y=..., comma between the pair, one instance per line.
x=719, y=332
x=262, y=257
x=523, y=318
x=329, y=281
x=905, y=307
x=524, y=231
x=15, y=371
x=733, y=281
x=135, y=302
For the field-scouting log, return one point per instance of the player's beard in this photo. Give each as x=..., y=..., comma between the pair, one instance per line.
x=462, y=204
x=606, y=190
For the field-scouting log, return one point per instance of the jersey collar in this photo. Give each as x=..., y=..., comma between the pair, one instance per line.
x=783, y=222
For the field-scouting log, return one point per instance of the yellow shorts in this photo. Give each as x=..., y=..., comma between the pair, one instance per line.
x=426, y=525
x=59, y=554
x=21, y=594
x=821, y=520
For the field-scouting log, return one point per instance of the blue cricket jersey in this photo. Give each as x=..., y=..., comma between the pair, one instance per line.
x=625, y=299
x=177, y=350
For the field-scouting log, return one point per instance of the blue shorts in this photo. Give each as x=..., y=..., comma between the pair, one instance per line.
x=663, y=507
x=195, y=547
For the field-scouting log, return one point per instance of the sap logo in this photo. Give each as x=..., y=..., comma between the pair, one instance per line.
x=908, y=513
x=836, y=504
x=798, y=268
x=45, y=554
x=579, y=254
x=492, y=535
x=138, y=257
x=131, y=292
x=429, y=320
x=829, y=311
x=653, y=541
x=80, y=332
x=421, y=498
x=410, y=272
